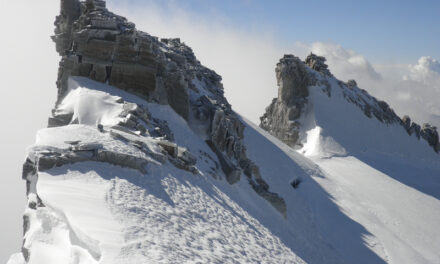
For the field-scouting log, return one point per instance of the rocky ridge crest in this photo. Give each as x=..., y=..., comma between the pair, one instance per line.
x=99, y=45
x=102, y=46
x=296, y=77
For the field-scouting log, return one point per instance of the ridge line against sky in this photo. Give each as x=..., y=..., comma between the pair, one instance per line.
x=401, y=28
x=241, y=40
x=253, y=46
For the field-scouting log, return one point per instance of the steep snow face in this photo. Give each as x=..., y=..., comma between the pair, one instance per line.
x=339, y=208
x=379, y=176
x=344, y=123
x=179, y=177
x=382, y=178
x=91, y=211
x=309, y=93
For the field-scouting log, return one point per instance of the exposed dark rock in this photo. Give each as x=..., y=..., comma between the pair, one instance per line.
x=351, y=84
x=123, y=160
x=100, y=45
x=273, y=198
x=282, y=114
x=406, y=121
x=28, y=169
x=169, y=147
x=318, y=64
x=427, y=132
x=430, y=134
x=24, y=250
x=186, y=156
x=232, y=172
x=295, y=77
x=60, y=119
x=295, y=183
x=105, y=47
x=161, y=129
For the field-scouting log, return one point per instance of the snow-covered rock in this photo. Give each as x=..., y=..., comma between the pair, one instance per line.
x=301, y=86
x=144, y=161
x=379, y=169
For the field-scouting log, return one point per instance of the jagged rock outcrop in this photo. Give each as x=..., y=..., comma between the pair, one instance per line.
x=427, y=132
x=317, y=63
x=104, y=47
x=99, y=45
x=107, y=48
x=281, y=116
x=295, y=77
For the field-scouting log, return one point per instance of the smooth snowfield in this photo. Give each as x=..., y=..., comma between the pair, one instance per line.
x=353, y=203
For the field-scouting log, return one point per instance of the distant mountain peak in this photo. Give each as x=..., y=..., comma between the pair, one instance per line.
x=295, y=80
x=144, y=161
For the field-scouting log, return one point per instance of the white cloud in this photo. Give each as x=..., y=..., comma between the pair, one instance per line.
x=344, y=63
x=412, y=90
x=246, y=60
x=423, y=83
x=426, y=71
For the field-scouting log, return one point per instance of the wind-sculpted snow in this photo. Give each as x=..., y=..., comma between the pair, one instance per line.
x=102, y=46
x=169, y=215
x=96, y=212
x=114, y=215
x=144, y=161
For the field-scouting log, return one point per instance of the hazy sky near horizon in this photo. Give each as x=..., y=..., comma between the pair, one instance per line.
x=383, y=31
x=389, y=47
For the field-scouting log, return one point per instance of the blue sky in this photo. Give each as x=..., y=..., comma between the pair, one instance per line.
x=378, y=43
x=383, y=31
x=240, y=40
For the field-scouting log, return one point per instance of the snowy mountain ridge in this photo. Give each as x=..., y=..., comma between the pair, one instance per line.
x=296, y=80
x=144, y=161
x=105, y=47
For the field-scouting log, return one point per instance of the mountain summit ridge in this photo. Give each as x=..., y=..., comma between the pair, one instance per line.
x=294, y=78
x=144, y=161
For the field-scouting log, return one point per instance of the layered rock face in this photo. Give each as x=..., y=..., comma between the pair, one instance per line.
x=283, y=117
x=105, y=47
x=98, y=45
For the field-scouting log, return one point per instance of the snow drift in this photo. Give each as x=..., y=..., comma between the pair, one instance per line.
x=144, y=161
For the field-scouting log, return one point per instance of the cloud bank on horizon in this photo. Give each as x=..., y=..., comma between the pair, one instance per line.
x=246, y=60
x=412, y=89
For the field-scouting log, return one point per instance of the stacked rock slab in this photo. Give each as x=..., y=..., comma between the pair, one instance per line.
x=295, y=77
x=281, y=117
x=100, y=45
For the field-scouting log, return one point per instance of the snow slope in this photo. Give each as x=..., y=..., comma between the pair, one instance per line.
x=379, y=176
x=354, y=204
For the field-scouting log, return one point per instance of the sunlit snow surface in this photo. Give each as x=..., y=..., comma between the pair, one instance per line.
x=368, y=194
